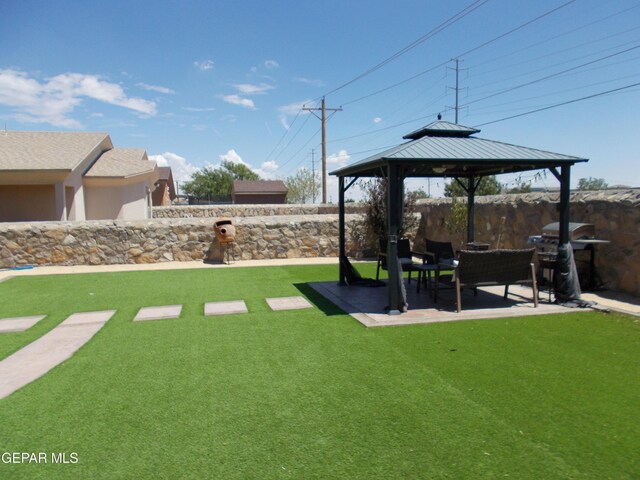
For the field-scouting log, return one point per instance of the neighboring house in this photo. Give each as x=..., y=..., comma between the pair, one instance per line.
x=57, y=176
x=260, y=191
x=165, y=191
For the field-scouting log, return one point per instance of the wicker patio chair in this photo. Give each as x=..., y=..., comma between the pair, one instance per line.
x=495, y=267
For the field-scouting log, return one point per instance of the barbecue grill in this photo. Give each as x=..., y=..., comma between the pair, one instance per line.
x=581, y=237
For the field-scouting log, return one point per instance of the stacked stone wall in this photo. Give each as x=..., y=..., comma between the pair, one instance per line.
x=290, y=231
x=243, y=211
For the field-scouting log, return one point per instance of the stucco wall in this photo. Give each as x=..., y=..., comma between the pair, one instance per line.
x=27, y=202
x=117, y=202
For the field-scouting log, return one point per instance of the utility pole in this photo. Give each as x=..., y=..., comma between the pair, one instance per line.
x=323, y=118
x=313, y=174
x=456, y=88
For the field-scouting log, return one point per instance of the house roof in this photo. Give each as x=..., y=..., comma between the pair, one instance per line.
x=166, y=175
x=445, y=149
x=22, y=151
x=258, y=186
x=121, y=163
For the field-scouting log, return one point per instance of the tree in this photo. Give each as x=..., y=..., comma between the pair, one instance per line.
x=420, y=194
x=488, y=185
x=375, y=198
x=302, y=187
x=212, y=181
x=523, y=187
x=592, y=184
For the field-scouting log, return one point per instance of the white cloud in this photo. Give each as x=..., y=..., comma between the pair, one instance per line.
x=180, y=167
x=238, y=100
x=377, y=120
x=267, y=170
x=233, y=157
x=339, y=159
x=309, y=81
x=291, y=110
x=155, y=88
x=52, y=100
x=271, y=64
x=199, y=109
x=204, y=65
x=251, y=89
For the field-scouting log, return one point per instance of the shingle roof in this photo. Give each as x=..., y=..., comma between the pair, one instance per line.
x=121, y=163
x=259, y=186
x=47, y=150
x=165, y=173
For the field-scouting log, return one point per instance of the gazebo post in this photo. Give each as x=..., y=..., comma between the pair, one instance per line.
x=394, y=204
x=565, y=195
x=471, y=195
x=341, y=232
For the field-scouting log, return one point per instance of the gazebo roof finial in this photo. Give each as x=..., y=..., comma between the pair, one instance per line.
x=441, y=128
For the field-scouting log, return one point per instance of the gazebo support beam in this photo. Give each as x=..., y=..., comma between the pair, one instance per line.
x=471, y=208
x=394, y=206
x=341, y=228
x=341, y=232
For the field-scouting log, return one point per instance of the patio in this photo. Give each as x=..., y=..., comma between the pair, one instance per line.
x=367, y=304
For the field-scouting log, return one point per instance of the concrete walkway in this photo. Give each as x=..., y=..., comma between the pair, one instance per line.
x=50, y=350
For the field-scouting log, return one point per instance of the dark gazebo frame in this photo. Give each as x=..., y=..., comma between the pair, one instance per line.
x=447, y=150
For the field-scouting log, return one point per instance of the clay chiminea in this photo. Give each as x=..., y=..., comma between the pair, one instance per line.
x=224, y=230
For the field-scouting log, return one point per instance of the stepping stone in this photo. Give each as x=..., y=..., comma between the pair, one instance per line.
x=50, y=350
x=225, y=308
x=158, y=313
x=288, y=303
x=18, y=324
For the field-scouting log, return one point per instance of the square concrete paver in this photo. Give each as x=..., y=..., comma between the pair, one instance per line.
x=19, y=324
x=225, y=308
x=288, y=303
x=158, y=313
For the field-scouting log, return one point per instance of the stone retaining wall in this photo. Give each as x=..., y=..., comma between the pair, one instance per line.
x=242, y=211
x=282, y=231
x=152, y=241
x=615, y=214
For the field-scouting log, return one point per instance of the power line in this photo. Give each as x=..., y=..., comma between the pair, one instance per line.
x=430, y=69
x=450, y=21
x=547, y=77
x=575, y=100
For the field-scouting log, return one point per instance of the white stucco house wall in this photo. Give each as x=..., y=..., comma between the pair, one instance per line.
x=59, y=176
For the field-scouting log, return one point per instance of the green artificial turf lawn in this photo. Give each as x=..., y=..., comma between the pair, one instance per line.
x=312, y=393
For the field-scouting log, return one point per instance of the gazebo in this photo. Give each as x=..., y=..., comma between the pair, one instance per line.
x=444, y=149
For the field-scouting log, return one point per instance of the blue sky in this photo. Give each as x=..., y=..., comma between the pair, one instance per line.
x=195, y=82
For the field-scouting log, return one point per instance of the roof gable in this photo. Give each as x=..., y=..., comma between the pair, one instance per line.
x=32, y=151
x=258, y=186
x=121, y=163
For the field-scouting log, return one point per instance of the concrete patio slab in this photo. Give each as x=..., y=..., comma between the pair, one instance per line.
x=288, y=303
x=19, y=324
x=225, y=308
x=367, y=304
x=158, y=313
x=50, y=350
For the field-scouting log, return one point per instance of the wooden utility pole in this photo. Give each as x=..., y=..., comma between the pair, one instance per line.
x=323, y=118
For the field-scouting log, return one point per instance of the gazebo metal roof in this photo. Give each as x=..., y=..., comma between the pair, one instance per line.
x=445, y=149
